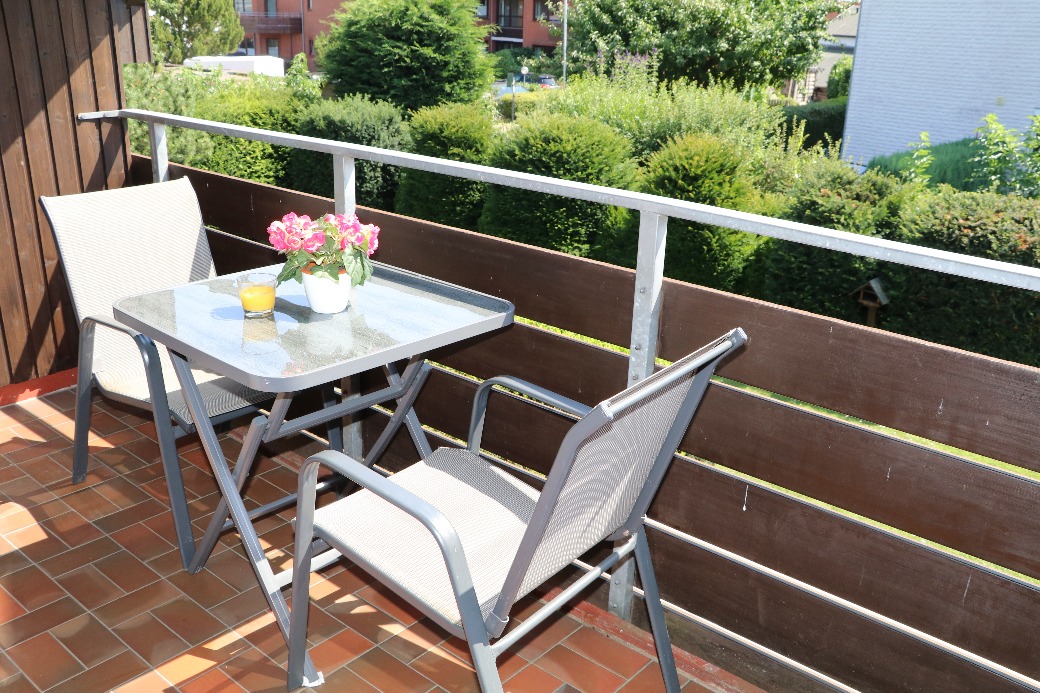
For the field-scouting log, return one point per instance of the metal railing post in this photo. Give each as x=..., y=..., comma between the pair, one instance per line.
x=160, y=155
x=343, y=183
x=346, y=203
x=646, y=314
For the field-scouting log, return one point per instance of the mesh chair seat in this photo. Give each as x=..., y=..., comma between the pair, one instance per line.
x=491, y=512
x=221, y=395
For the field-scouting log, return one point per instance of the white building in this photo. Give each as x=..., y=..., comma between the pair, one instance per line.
x=261, y=64
x=940, y=66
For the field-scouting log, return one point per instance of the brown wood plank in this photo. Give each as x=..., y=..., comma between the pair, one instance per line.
x=972, y=508
x=959, y=398
x=29, y=339
x=81, y=89
x=857, y=652
x=122, y=32
x=945, y=597
x=107, y=91
x=142, y=39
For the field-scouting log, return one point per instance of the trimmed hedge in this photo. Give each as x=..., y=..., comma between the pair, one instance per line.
x=824, y=120
x=259, y=108
x=358, y=120
x=576, y=149
x=952, y=164
x=460, y=132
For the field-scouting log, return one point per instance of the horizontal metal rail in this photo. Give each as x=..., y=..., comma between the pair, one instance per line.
x=881, y=249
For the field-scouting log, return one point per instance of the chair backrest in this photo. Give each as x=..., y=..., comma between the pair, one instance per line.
x=116, y=243
x=609, y=468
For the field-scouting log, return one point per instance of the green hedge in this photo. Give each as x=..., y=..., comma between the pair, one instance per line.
x=839, y=78
x=952, y=164
x=460, y=132
x=824, y=120
x=358, y=120
x=576, y=149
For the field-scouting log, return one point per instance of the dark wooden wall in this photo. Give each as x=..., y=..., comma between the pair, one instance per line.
x=58, y=58
x=777, y=471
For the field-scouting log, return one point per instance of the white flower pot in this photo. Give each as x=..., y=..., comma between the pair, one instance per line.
x=326, y=295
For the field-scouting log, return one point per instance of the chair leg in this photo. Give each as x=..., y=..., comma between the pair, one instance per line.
x=656, y=613
x=84, y=389
x=484, y=662
x=334, y=428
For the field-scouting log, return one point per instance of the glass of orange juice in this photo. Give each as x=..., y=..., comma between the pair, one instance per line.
x=256, y=291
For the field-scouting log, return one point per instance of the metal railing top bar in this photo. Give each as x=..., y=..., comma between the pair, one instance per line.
x=982, y=269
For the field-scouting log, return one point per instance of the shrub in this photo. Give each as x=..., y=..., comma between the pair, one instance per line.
x=460, y=132
x=951, y=164
x=832, y=195
x=526, y=103
x=995, y=320
x=824, y=120
x=357, y=120
x=704, y=169
x=576, y=149
x=413, y=53
x=839, y=78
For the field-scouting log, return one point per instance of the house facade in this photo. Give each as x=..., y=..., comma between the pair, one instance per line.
x=284, y=28
x=940, y=66
x=521, y=24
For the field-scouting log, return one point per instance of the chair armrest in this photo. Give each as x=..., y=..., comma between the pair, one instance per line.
x=539, y=394
x=432, y=519
x=110, y=323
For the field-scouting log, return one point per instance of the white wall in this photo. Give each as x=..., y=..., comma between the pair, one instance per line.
x=940, y=66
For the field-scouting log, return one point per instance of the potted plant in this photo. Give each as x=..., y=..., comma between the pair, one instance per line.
x=329, y=255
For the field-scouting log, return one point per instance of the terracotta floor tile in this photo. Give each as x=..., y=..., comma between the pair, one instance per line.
x=18, y=684
x=617, y=657
x=167, y=564
x=148, y=682
x=90, y=587
x=129, y=517
x=90, y=504
x=238, y=609
x=62, y=400
x=649, y=680
x=214, y=681
x=105, y=676
x=31, y=587
x=533, y=679
x=233, y=568
x=45, y=470
x=26, y=492
x=374, y=624
x=44, y=660
x=416, y=640
x=71, y=527
x=121, y=493
x=204, y=587
x=126, y=570
x=79, y=556
x=11, y=561
x=545, y=636
x=35, y=622
x=255, y=672
x=10, y=609
x=188, y=620
x=7, y=667
x=447, y=671
x=88, y=640
x=203, y=658
x=137, y=602
x=141, y=541
x=117, y=459
x=341, y=648
x=343, y=679
x=36, y=544
x=382, y=598
x=584, y=674
x=388, y=674
x=31, y=452
x=150, y=639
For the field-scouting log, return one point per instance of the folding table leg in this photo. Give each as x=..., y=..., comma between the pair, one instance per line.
x=236, y=507
x=414, y=377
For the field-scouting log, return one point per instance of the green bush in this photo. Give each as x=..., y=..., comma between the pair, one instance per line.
x=460, y=132
x=832, y=195
x=412, y=53
x=995, y=320
x=576, y=149
x=951, y=164
x=839, y=78
x=508, y=61
x=526, y=103
x=824, y=120
x=704, y=169
x=357, y=120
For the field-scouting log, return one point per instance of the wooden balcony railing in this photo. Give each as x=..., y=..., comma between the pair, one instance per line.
x=271, y=22
x=854, y=505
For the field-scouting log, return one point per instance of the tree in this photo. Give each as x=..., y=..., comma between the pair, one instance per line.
x=413, y=53
x=746, y=42
x=185, y=28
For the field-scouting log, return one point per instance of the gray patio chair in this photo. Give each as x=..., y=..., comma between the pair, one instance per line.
x=116, y=243
x=462, y=540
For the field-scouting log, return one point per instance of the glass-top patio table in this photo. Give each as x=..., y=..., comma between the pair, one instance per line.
x=396, y=315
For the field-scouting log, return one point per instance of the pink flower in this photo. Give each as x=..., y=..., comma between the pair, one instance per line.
x=371, y=232
x=314, y=242
x=276, y=233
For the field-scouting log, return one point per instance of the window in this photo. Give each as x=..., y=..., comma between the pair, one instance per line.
x=541, y=10
x=511, y=14
x=272, y=47
x=310, y=46
x=310, y=5
x=243, y=6
x=271, y=6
